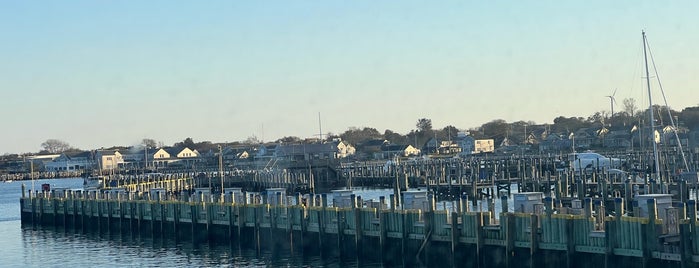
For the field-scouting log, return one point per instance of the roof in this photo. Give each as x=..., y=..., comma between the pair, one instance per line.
x=306, y=148
x=394, y=147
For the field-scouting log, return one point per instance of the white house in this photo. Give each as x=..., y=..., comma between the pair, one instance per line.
x=109, y=159
x=484, y=146
x=71, y=162
x=175, y=155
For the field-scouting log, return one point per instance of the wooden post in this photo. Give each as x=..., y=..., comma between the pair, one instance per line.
x=686, y=244
x=504, y=204
x=534, y=238
x=587, y=207
x=692, y=215
x=628, y=192
x=650, y=232
x=176, y=219
x=321, y=221
x=570, y=243
x=510, y=230
x=359, y=231
x=454, y=237
x=194, y=211
x=341, y=234
x=382, y=234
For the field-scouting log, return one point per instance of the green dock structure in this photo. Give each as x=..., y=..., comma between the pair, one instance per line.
x=549, y=236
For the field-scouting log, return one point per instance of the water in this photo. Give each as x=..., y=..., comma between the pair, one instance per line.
x=58, y=247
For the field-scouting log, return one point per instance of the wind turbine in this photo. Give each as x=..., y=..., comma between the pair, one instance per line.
x=612, y=101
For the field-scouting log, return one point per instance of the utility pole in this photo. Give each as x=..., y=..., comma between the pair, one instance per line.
x=220, y=166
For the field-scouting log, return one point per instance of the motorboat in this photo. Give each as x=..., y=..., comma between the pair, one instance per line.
x=590, y=161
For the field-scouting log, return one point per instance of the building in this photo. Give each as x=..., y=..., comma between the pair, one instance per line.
x=71, y=161
x=109, y=159
x=389, y=151
x=175, y=156
x=484, y=146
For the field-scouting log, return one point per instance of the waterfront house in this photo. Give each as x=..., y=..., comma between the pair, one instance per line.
x=619, y=139
x=389, y=151
x=71, y=161
x=177, y=156
x=109, y=159
x=266, y=152
x=484, y=146
x=314, y=151
x=466, y=143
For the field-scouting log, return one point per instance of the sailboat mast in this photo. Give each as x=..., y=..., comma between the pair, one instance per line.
x=656, y=171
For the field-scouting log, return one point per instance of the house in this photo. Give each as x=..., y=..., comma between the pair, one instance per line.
x=484, y=146
x=313, y=151
x=109, y=159
x=436, y=146
x=466, y=143
x=266, y=151
x=557, y=143
x=235, y=154
x=388, y=151
x=582, y=138
x=344, y=149
x=372, y=147
x=617, y=139
x=671, y=135
x=307, y=152
x=71, y=161
x=183, y=156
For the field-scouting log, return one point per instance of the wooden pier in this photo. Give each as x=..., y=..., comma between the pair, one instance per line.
x=556, y=236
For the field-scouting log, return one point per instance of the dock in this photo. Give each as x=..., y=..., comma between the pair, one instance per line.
x=551, y=235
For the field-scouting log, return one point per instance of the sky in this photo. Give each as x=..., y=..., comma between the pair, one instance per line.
x=104, y=73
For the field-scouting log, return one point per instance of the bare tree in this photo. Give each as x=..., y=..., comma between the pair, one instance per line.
x=150, y=143
x=55, y=146
x=630, y=106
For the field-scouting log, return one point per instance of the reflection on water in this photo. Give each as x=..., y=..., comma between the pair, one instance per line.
x=66, y=248
x=58, y=247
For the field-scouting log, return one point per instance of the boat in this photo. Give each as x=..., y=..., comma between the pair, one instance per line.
x=687, y=174
x=8, y=181
x=93, y=182
x=590, y=161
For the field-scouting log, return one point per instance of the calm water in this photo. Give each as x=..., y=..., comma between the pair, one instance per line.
x=57, y=247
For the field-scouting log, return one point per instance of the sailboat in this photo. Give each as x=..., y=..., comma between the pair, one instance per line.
x=655, y=172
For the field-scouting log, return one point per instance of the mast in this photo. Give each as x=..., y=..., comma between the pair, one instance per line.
x=320, y=129
x=656, y=171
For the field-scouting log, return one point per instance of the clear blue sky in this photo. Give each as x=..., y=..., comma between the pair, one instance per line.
x=103, y=73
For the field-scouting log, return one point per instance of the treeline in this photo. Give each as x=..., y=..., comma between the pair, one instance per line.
x=497, y=129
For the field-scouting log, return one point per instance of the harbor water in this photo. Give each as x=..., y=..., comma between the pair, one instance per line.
x=59, y=247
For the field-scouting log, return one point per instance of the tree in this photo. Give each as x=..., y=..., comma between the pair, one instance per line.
x=355, y=135
x=564, y=124
x=289, y=140
x=448, y=132
x=188, y=142
x=689, y=117
x=424, y=124
x=252, y=140
x=55, y=146
x=630, y=106
x=149, y=143
x=394, y=137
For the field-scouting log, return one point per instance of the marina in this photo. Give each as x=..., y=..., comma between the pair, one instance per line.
x=530, y=227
